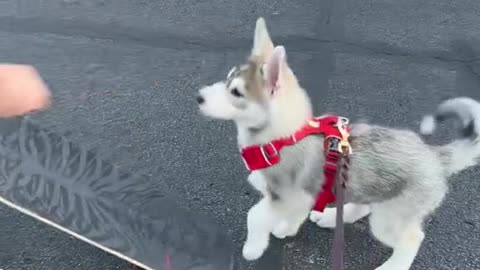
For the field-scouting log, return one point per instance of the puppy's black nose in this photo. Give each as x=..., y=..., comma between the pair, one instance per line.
x=200, y=100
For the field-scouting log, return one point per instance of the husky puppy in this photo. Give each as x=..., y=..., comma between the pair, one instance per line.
x=395, y=178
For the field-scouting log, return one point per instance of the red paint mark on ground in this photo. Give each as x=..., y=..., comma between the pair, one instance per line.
x=168, y=265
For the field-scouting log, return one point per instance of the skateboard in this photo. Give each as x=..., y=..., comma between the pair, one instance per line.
x=56, y=181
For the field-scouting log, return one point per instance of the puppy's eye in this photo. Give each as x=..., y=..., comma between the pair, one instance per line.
x=263, y=71
x=236, y=93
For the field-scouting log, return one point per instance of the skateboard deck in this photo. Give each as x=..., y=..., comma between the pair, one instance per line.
x=48, y=177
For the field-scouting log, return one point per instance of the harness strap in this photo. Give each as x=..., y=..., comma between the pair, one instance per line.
x=330, y=169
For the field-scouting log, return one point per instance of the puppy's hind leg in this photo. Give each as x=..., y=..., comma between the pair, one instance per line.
x=260, y=220
x=405, y=249
x=402, y=233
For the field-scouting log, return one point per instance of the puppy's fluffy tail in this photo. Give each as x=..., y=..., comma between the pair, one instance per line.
x=465, y=151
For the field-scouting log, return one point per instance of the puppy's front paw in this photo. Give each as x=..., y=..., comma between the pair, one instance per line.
x=283, y=229
x=253, y=251
x=324, y=220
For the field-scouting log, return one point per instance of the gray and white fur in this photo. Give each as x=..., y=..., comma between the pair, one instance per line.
x=395, y=178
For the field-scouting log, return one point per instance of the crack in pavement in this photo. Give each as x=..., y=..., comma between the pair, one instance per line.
x=130, y=34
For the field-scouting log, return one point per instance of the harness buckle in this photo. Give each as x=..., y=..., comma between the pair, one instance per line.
x=334, y=144
x=265, y=153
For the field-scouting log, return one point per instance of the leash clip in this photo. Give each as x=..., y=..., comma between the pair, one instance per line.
x=345, y=146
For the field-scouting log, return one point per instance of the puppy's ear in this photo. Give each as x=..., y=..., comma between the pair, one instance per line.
x=276, y=69
x=262, y=43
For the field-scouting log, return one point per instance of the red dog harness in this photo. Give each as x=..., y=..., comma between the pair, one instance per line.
x=335, y=130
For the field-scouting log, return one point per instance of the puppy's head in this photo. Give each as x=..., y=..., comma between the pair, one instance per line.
x=238, y=97
x=251, y=91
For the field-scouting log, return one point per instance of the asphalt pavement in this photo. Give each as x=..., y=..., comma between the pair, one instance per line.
x=124, y=74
